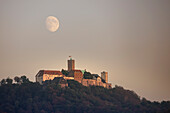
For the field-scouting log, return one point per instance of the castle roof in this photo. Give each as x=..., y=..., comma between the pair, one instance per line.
x=50, y=72
x=72, y=72
x=76, y=70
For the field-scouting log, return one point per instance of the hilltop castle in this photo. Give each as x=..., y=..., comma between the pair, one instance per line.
x=74, y=74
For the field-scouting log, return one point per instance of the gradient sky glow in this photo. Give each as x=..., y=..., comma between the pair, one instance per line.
x=128, y=38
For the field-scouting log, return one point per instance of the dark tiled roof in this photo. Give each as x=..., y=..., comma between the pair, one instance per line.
x=77, y=71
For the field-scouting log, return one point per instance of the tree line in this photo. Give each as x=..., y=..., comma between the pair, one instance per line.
x=25, y=96
x=18, y=80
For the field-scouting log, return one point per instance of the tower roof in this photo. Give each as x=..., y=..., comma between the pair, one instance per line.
x=52, y=72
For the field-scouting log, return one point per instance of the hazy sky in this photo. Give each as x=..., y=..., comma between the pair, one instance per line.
x=128, y=38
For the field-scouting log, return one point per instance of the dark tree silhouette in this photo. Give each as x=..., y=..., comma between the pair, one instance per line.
x=9, y=81
x=24, y=79
x=64, y=72
x=30, y=97
x=3, y=81
x=17, y=79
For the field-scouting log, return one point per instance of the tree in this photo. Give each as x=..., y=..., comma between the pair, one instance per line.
x=87, y=75
x=3, y=81
x=64, y=72
x=17, y=79
x=24, y=79
x=9, y=81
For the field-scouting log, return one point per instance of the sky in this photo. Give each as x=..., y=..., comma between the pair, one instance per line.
x=130, y=39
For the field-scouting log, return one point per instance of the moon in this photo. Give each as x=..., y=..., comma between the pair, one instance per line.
x=52, y=23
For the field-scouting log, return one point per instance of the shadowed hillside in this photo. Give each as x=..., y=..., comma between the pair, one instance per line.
x=29, y=97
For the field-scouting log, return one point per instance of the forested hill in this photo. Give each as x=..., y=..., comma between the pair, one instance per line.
x=29, y=97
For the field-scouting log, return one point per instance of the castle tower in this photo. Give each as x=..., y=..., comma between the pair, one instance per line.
x=104, y=76
x=71, y=64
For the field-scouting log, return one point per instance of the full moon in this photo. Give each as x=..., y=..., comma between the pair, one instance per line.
x=52, y=23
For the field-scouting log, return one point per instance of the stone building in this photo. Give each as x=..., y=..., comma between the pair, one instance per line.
x=74, y=74
x=77, y=74
x=44, y=75
x=97, y=82
x=88, y=82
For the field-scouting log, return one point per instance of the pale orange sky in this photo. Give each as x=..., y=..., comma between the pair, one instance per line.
x=130, y=39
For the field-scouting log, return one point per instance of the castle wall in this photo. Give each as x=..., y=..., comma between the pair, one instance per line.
x=68, y=78
x=91, y=82
x=50, y=77
x=78, y=76
x=39, y=79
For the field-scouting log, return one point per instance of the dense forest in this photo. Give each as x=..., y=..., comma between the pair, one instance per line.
x=25, y=96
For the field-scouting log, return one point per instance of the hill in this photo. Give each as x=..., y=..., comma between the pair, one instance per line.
x=30, y=97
